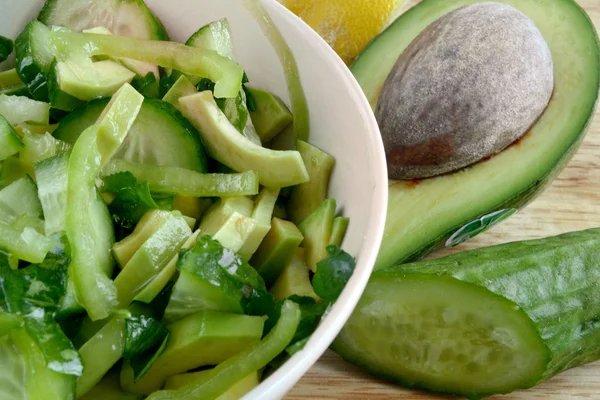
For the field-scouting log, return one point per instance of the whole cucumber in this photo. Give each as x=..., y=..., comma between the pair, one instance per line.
x=482, y=322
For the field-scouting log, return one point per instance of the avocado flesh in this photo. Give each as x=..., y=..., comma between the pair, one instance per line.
x=424, y=215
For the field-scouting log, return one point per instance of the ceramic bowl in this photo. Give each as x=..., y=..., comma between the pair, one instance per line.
x=341, y=123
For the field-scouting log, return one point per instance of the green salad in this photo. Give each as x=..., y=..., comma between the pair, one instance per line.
x=164, y=233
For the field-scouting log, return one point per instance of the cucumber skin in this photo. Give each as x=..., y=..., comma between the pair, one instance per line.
x=554, y=281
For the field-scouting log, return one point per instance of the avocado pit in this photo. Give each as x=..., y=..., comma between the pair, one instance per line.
x=467, y=87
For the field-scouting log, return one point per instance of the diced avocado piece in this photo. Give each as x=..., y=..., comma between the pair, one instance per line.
x=181, y=88
x=10, y=142
x=426, y=215
x=271, y=116
x=154, y=287
x=140, y=68
x=194, y=207
x=236, y=392
x=275, y=168
x=18, y=109
x=123, y=17
x=276, y=250
x=100, y=354
x=109, y=388
x=216, y=216
x=149, y=260
x=235, y=232
x=294, y=279
x=338, y=230
x=13, y=169
x=11, y=84
x=203, y=338
x=308, y=196
x=124, y=250
x=86, y=80
x=316, y=229
x=211, y=277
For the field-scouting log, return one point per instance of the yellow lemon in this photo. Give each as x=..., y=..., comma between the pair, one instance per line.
x=347, y=25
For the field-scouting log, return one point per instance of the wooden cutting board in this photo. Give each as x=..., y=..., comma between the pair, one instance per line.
x=571, y=203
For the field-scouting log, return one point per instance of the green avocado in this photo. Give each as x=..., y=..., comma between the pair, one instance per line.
x=446, y=210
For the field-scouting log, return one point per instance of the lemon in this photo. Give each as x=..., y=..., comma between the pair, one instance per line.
x=347, y=25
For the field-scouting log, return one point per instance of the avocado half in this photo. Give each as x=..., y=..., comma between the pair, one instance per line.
x=426, y=215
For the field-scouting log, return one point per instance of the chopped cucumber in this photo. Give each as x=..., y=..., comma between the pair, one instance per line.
x=308, y=196
x=34, y=58
x=19, y=198
x=276, y=250
x=100, y=354
x=204, y=338
x=89, y=226
x=146, y=142
x=149, y=260
x=28, y=244
x=181, y=88
x=39, y=147
x=174, y=180
x=18, y=109
x=6, y=47
x=52, y=177
x=316, y=229
x=481, y=322
x=265, y=204
x=226, y=74
x=294, y=279
x=271, y=116
x=231, y=371
x=214, y=36
x=10, y=142
x=275, y=168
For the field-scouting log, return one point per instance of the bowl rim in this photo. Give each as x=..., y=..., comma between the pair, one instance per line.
x=285, y=377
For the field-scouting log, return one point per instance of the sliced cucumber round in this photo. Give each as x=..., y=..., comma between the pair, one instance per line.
x=122, y=17
x=160, y=135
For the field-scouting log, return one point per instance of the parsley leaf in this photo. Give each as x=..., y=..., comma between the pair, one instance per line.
x=333, y=272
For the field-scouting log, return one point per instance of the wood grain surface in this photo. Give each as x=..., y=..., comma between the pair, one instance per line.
x=571, y=203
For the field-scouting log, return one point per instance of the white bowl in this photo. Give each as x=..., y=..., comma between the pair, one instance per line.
x=341, y=123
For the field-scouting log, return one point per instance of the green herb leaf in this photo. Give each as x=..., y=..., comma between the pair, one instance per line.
x=143, y=362
x=142, y=331
x=147, y=85
x=263, y=303
x=333, y=272
x=133, y=199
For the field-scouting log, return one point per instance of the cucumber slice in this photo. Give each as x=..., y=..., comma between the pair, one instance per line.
x=10, y=142
x=40, y=146
x=19, y=198
x=481, y=322
x=181, y=88
x=13, y=169
x=52, y=176
x=159, y=135
x=185, y=182
x=214, y=36
x=338, y=230
x=122, y=17
x=275, y=169
x=34, y=58
x=18, y=109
